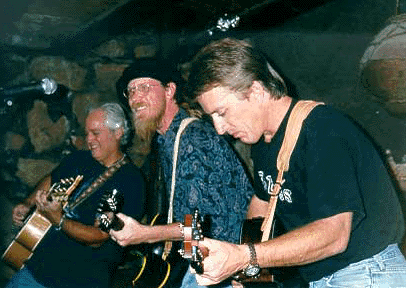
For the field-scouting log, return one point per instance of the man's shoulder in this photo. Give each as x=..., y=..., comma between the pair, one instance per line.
x=328, y=120
x=129, y=175
x=130, y=169
x=203, y=136
x=201, y=127
x=80, y=154
x=77, y=157
x=326, y=113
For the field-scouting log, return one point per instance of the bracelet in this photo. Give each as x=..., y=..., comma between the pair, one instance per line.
x=59, y=227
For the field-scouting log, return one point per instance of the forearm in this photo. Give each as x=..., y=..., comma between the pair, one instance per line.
x=134, y=233
x=88, y=235
x=160, y=233
x=313, y=242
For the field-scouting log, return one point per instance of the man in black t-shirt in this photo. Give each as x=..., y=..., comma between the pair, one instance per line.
x=75, y=252
x=337, y=200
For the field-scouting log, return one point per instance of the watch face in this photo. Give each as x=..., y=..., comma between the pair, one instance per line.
x=252, y=270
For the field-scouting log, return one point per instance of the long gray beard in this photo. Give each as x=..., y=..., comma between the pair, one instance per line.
x=141, y=147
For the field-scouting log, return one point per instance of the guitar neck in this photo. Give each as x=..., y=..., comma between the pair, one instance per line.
x=192, y=234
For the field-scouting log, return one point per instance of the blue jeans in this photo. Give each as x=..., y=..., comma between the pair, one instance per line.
x=386, y=269
x=23, y=278
x=189, y=281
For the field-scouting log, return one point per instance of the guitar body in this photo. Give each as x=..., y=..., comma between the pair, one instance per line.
x=155, y=272
x=269, y=277
x=146, y=265
x=35, y=227
x=27, y=239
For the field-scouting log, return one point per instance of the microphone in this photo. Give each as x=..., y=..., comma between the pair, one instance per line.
x=46, y=86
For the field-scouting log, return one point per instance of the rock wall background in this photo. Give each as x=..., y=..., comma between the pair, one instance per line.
x=37, y=131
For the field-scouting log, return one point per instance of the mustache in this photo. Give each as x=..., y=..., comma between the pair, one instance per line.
x=135, y=107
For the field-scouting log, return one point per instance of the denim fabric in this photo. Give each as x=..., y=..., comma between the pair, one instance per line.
x=386, y=269
x=189, y=281
x=23, y=278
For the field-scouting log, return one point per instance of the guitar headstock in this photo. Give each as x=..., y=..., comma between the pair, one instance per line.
x=110, y=204
x=60, y=191
x=192, y=230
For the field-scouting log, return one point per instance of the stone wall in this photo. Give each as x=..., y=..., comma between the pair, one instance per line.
x=323, y=66
x=39, y=129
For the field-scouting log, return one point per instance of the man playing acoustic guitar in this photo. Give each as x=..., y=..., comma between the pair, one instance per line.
x=336, y=199
x=209, y=176
x=75, y=252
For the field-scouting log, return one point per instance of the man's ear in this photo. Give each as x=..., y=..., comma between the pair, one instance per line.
x=257, y=91
x=119, y=133
x=170, y=90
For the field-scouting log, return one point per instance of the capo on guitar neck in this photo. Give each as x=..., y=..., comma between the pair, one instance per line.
x=192, y=232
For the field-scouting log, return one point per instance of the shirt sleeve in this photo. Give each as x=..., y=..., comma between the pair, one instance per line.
x=70, y=166
x=331, y=170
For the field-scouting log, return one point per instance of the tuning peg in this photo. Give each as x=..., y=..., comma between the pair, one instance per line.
x=181, y=252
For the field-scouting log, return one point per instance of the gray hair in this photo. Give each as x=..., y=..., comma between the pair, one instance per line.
x=115, y=119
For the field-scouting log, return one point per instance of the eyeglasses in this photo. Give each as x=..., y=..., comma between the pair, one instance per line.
x=141, y=88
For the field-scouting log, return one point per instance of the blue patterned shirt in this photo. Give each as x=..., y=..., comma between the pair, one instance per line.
x=209, y=176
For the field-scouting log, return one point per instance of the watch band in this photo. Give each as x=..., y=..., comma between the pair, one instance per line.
x=253, y=254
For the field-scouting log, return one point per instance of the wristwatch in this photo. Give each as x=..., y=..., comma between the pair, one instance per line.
x=253, y=268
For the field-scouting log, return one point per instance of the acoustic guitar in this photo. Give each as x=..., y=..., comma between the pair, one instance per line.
x=36, y=226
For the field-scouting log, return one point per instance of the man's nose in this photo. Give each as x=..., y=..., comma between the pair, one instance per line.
x=89, y=138
x=219, y=125
x=134, y=96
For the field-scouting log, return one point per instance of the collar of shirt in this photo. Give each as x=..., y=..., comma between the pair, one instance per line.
x=173, y=128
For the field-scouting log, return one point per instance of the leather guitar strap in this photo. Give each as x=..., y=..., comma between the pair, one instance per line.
x=183, y=124
x=295, y=121
x=99, y=181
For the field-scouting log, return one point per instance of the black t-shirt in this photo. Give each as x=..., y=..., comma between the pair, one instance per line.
x=334, y=168
x=60, y=261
